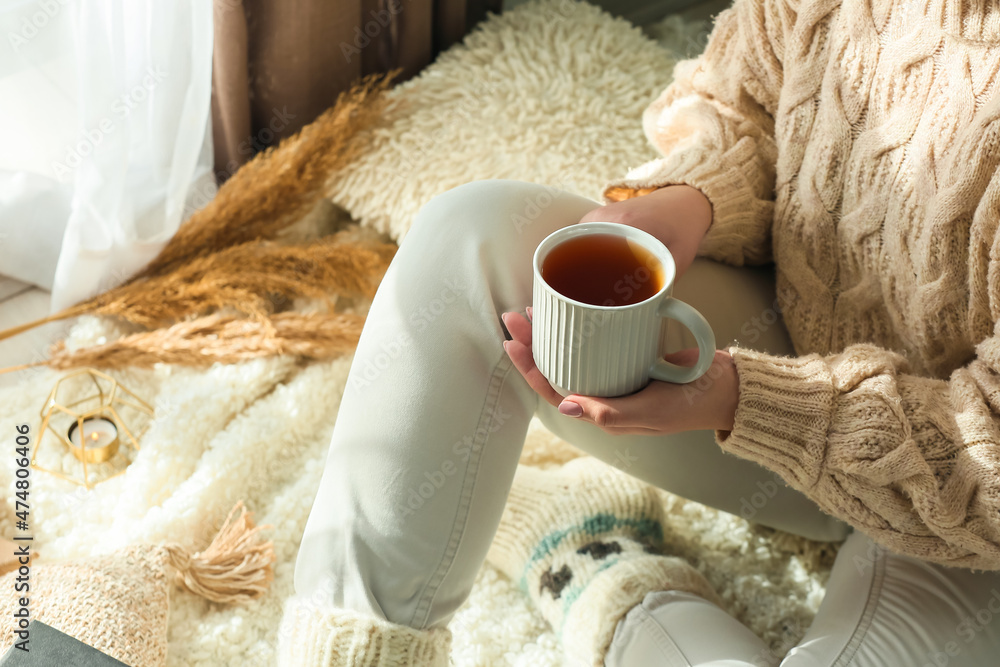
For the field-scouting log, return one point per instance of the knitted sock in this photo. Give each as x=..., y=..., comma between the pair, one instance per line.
x=315, y=635
x=582, y=541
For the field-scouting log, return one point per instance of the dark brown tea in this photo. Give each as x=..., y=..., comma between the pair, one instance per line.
x=603, y=270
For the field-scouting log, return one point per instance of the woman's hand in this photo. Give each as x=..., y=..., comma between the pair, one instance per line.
x=678, y=215
x=658, y=409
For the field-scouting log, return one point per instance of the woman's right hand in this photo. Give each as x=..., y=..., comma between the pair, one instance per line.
x=678, y=215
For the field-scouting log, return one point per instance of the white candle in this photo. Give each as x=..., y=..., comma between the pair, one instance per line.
x=97, y=433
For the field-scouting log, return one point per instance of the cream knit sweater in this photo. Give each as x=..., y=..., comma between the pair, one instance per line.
x=856, y=145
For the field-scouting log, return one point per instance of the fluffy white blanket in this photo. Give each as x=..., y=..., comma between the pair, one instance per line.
x=259, y=430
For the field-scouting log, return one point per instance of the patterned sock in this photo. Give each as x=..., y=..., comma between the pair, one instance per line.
x=583, y=541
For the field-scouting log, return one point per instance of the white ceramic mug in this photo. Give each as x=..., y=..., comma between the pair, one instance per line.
x=594, y=350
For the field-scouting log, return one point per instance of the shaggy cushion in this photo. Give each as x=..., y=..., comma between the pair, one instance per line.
x=551, y=92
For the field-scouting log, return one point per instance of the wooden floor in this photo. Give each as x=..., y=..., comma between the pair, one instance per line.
x=19, y=303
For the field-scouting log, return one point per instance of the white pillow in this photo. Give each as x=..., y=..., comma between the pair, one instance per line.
x=551, y=92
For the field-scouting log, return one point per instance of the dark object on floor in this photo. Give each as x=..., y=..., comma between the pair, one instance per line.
x=49, y=647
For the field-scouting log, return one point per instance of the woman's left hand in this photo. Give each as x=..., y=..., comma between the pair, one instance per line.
x=658, y=409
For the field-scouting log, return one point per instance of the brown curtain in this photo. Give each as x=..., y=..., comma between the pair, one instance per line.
x=278, y=64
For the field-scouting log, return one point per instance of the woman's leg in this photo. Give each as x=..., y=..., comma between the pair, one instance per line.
x=880, y=610
x=434, y=416
x=678, y=629
x=740, y=305
x=884, y=609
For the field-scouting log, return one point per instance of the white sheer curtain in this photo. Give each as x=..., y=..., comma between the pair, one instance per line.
x=105, y=107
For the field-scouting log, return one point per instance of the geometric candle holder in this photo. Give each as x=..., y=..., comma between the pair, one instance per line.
x=89, y=413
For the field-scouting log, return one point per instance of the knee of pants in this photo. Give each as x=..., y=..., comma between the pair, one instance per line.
x=494, y=213
x=483, y=234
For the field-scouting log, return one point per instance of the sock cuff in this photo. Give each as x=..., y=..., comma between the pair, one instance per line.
x=311, y=636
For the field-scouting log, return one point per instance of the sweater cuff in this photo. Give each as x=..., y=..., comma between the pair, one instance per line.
x=729, y=181
x=311, y=636
x=783, y=415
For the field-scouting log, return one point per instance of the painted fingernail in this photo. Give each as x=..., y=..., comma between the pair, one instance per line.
x=570, y=409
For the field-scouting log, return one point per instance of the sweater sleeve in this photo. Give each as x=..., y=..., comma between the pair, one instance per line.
x=910, y=461
x=714, y=126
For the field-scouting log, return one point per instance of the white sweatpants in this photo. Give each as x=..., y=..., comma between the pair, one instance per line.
x=434, y=417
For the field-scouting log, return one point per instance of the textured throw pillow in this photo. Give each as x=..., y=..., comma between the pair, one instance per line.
x=119, y=603
x=550, y=92
x=116, y=603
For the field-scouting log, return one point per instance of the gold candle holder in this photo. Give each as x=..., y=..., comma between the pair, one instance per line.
x=95, y=434
x=99, y=441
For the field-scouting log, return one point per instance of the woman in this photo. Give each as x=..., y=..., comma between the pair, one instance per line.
x=855, y=146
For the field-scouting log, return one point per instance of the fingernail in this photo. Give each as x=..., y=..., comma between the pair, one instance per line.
x=505, y=348
x=528, y=310
x=570, y=409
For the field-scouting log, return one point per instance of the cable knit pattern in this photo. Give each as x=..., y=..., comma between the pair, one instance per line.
x=856, y=145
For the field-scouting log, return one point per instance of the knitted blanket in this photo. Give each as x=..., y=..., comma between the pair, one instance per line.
x=259, y=430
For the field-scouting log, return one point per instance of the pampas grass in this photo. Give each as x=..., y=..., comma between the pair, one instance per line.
x=244, y=277
x=220, y=338
x=279, y=185
x=225, y=257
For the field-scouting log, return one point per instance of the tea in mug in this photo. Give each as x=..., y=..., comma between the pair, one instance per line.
x=603, y=270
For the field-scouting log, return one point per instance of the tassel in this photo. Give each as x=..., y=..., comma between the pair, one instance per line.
x=236, y=566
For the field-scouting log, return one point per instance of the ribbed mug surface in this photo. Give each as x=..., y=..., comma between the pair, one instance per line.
x=608, y=351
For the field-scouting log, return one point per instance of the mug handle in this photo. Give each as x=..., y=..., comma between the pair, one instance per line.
x=686, y=314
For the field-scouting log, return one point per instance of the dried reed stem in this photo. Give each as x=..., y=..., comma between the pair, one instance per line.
x=268, y=193
x=220, y=338
x=280, y=184
x=245, y=277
